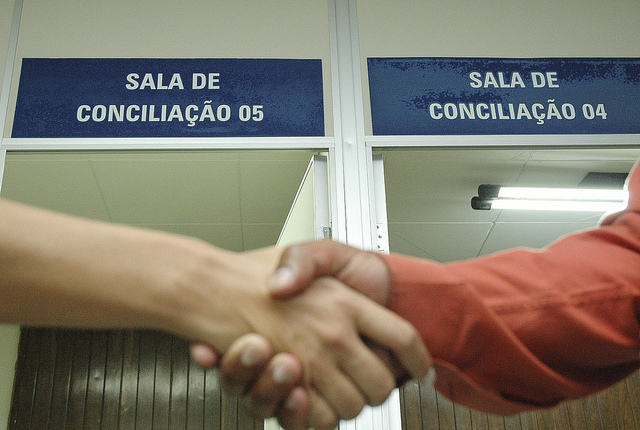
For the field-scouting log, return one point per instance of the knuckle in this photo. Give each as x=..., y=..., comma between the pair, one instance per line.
x=407, y=337
x=337, y=340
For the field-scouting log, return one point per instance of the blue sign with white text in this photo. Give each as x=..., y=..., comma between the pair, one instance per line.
x=443, y=96
x=108, y=97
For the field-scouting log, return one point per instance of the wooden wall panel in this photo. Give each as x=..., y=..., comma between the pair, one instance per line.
x=117, y=380
x=617, y=408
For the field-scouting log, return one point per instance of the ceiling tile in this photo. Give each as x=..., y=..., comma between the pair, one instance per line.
x=437, y=186
x=62, y=184
x=170, y=191
x=260, y=235
x=531, y=235
x=269, y=188
x=442, y=242
x=196, y=193
x=429, y=191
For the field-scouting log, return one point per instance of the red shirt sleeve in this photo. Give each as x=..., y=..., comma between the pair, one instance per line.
x=525, y=329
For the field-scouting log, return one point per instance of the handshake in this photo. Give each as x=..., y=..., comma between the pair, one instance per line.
x=319, y=345
x=306, y=334
x=304, y=342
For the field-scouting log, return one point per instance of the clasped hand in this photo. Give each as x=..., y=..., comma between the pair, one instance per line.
x=319, y=355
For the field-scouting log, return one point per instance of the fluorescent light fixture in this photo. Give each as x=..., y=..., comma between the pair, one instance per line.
x=550, y=199
x=593, y=194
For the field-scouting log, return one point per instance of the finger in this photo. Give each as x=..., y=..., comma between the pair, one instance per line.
x=321, y=416
x=395, y=334
x=359, y=364
x=301, y=264
x=293, y=414
x=204, y=354
x=243, y=363
x=273, y=386
x=338, y=389
x=399, y=373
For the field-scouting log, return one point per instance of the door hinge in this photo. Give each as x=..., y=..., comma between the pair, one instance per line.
x=382, y=236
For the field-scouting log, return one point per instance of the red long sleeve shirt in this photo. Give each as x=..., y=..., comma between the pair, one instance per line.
x=524, y=329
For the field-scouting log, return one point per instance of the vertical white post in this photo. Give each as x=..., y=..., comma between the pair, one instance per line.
x=10, y=334
x=355, y=161
x=349, y=120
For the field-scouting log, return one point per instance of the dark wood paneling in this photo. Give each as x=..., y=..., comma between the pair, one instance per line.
x=134, y=380
x=179, y=383
x=128, y=406
x=22, y=402
x=617, y=408
x=114, y=368
x=117, y=380
x=62, y=379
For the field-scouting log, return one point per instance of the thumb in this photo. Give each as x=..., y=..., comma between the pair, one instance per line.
x=301, y=264
x=287, y=281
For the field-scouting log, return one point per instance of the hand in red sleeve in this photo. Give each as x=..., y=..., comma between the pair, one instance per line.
x=300, y=264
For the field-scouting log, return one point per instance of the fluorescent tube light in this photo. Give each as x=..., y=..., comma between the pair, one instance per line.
x=558, y=205
x=591, y=194
x=551, y=199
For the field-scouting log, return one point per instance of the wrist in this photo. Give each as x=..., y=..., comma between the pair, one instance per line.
x=214, y=295
x=188, y=286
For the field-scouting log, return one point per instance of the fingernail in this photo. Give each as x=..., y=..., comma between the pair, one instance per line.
x=430, y=377
x=292, y=403
x=282, y=278
x=282, y=374
x=250, y=357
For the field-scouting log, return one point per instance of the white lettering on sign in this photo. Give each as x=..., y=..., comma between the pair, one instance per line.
x=539, y=112
x=153, y=82
x=512, y=80
x=540, y=79
x=160, y=81
x=201, y=81
x=191, y=114
x=501, y=80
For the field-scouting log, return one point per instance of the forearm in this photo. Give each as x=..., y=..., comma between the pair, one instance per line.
x=65, y=271
x=526, y=328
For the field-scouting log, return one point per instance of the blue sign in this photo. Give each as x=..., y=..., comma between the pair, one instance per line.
x=442, y=96
x=169, y=98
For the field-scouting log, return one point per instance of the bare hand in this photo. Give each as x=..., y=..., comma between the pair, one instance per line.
x=300, y=265
x=325, y=329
